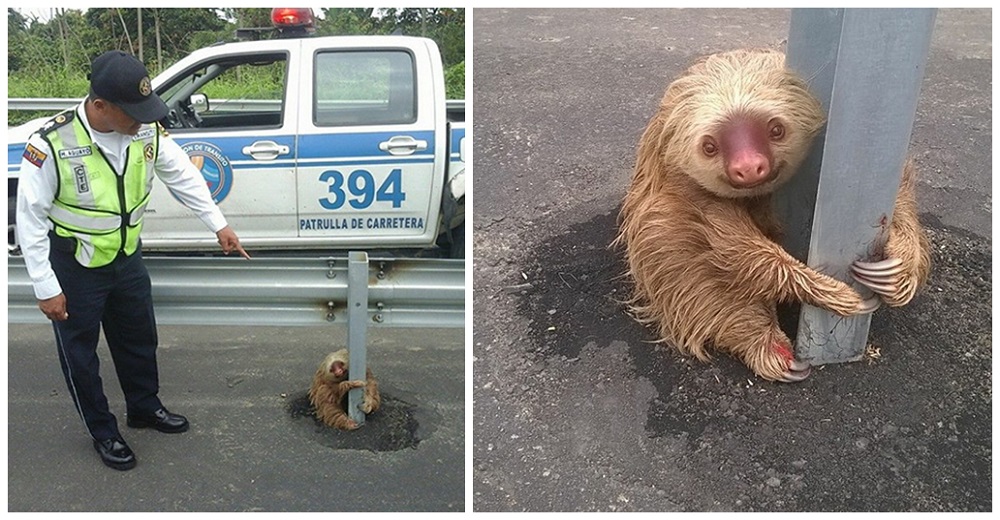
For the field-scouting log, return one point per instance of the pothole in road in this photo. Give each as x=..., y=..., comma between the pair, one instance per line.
x=393, y=427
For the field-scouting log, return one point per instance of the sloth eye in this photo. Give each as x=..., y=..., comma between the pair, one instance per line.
x=709, y=148
x=777, y=131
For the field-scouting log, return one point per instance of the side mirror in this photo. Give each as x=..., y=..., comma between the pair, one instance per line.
x=199, y=102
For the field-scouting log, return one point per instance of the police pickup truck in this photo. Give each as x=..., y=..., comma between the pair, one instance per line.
x=347, y=143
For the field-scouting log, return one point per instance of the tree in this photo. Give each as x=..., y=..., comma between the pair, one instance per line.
x=159, y=45
x=17, y=33
x=51, y=58
x=443, y=25
x=450, y=34
x=344, y=21
x=175, y=28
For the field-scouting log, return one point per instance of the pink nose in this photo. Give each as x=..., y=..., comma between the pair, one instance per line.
x=748, y=170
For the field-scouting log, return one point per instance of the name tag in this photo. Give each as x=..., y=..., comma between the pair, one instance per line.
x=69, y=153
x=144, y=134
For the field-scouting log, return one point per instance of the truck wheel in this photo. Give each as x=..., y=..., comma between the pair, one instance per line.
x=12, y=246
x=458, y=241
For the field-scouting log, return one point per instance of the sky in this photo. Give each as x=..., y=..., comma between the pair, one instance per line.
x=41, y=13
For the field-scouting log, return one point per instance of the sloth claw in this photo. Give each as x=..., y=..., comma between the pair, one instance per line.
x=868, y=272
x=883, y=278
x=794, y=376
x=883, y=287
x=870, y=305
x=796, y=371
x=883, y=265
x=798, y=366
x=880, y=285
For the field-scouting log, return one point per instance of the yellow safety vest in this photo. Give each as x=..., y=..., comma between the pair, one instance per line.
x=95, y=205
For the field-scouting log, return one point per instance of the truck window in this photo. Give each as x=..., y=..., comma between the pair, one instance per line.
x=364, y=88
x=233, y=92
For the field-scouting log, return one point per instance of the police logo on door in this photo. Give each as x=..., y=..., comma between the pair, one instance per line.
x=214, y=167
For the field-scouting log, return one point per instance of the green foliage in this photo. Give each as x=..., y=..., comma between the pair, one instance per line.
x=257, y=82
x=119, y=28
x=449, y=33
x=454, y=81
x=251, y=16
x=47, y=84
x=444, y=26
x=59, y=44
x=71, y=39
x=47, y=60
x=343, y=21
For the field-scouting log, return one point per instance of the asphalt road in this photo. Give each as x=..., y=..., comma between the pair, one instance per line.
x=253, y=445
x=575, y=410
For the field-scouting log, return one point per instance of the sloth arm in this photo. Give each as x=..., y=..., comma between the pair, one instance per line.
x=758, y=269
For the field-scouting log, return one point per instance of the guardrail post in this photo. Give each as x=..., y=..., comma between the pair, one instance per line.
x=279, y=292
x=865, y=66
x=357, y=329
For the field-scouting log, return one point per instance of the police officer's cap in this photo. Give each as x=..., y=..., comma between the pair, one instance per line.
x=122, y=79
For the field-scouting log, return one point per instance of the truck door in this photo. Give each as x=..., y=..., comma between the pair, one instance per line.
x=371, y=156
x=233, y=115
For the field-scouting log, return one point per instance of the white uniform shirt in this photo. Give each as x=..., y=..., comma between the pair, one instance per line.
x=37, y=187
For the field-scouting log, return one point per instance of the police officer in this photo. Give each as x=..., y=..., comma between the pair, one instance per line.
x=85, y=181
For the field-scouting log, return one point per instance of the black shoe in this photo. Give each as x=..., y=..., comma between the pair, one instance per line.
x=161, y=419
x=115, y=453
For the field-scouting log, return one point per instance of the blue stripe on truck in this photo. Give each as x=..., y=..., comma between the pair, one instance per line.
x=339, y=148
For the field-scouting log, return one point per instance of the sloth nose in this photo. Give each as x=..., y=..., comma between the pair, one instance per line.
x=748, y=170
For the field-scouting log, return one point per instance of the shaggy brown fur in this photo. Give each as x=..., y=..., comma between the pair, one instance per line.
x=702, y=249
x=329, y=389
x=907, y=242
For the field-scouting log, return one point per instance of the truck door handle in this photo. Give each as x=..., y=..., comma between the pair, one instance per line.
x=402, y=145
x=265, y=150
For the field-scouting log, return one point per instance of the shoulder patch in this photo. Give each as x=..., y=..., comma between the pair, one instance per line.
x=34, y=155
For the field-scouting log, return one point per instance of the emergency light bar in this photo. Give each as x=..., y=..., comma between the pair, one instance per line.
x=287, y=22
x=289, y=18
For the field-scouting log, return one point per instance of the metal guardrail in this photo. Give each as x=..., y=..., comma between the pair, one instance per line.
x=402, y=293
x=41, y=104
x=54, y=105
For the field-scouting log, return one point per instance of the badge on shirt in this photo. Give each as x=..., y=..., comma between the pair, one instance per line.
x=34, y=155
x=82, y=183
x=148, y=152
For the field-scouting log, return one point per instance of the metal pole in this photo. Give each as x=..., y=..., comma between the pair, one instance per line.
x=865, y=66
x=357, y=329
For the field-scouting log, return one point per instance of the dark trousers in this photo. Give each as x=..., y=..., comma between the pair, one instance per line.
x=117, y=297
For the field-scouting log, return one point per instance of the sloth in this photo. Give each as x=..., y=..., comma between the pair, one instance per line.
x=700, y=236
x=328, y=392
